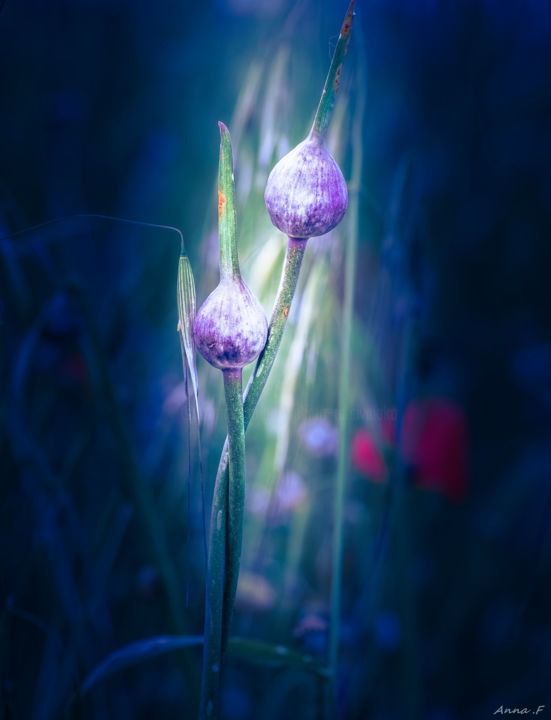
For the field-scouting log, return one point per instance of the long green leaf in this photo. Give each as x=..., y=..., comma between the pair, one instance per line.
x=149, y=648
x=136, y=653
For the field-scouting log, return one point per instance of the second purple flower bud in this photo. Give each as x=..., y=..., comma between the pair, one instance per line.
x=306, y=193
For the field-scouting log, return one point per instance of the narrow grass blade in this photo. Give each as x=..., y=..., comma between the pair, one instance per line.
x=136, y=653
x=149, y=648
x=273, y=101
x=186, y=315
x=246, y=102
x=98, y=216
x=344, y=381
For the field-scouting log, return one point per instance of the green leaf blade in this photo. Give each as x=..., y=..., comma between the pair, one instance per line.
x=332, y=81
x=187, y=307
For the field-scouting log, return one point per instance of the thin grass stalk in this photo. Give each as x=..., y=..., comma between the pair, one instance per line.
x=98, y=216
x=344, y=395
x=295, y=547
x=332, y=80
x=403, y=528
x=272, y=106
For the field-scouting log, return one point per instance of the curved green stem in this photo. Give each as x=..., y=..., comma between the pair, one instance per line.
x=282, y=305
x=332, y=81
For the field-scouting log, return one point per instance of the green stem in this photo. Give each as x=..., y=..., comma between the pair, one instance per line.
x=226, y=532
x=229, y=262
x=280, y=312
x=284, y=297
x=212, y=651
x=233, y=388
x=282, y=305
x=332, y=81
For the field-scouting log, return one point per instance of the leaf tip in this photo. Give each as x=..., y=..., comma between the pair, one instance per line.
x=347, y=24
x=223, y=129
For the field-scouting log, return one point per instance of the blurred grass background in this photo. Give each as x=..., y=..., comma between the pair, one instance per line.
x=111, y=107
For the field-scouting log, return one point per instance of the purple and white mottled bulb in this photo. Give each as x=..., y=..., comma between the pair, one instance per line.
x=230, y=328
x=306, y=193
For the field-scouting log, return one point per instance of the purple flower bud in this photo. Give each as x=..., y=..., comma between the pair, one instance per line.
x=230, y=327
x=306, y=193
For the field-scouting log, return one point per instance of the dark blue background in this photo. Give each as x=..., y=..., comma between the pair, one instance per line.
x=112, y=107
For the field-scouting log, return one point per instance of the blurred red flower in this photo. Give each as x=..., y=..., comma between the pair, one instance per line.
x=367, y=458
x=434, y=444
